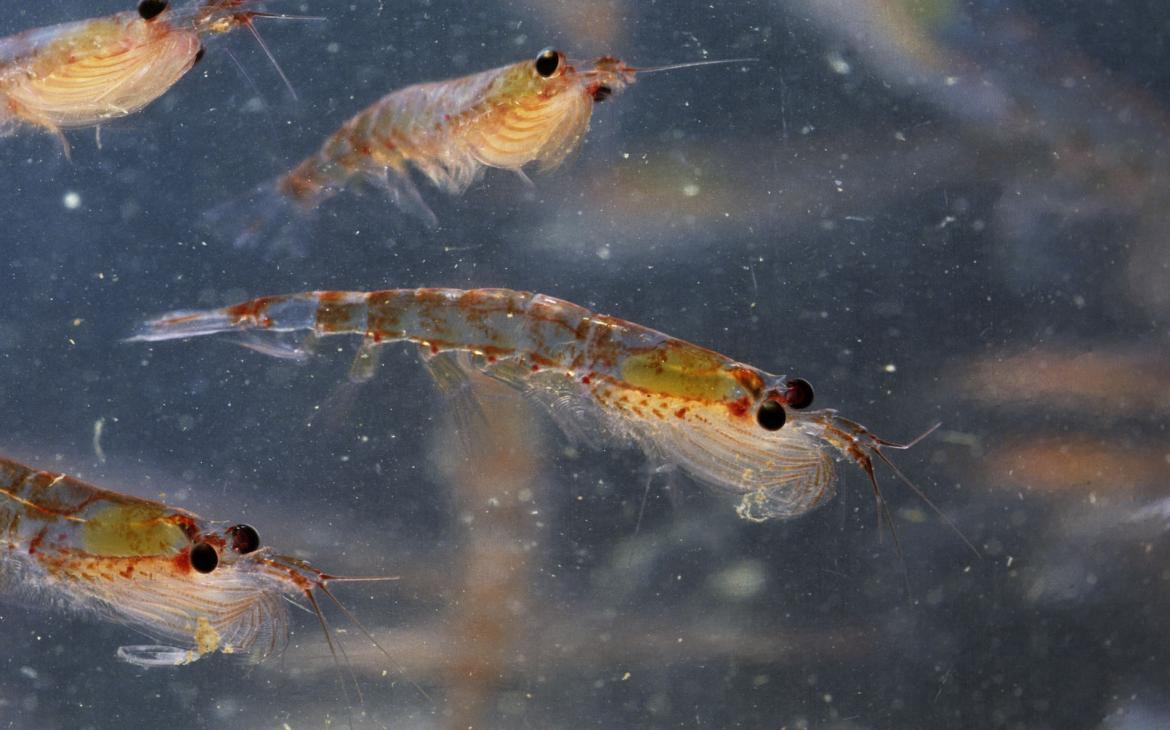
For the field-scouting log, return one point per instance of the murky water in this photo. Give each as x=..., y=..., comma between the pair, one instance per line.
x=934, y=211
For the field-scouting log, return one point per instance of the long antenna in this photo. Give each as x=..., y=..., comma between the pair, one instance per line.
x=693, y=64
x=922, y=495
x=366, y=632
x=333, y=651
x=884, y=511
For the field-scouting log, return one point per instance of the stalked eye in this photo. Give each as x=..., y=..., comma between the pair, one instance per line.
x=547, y=62
x=204, y=558
x=601, y=93
x=150, y=9
x=771, y=416
x=799, y=394
x=244, y=538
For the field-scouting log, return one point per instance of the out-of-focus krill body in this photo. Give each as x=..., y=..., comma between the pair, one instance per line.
x=530, y=112
x=83, y=73
x=533, y=111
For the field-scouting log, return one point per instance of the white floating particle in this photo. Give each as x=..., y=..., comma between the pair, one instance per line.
x=98, y=426
x=890, y=368
x=690, y=190
x=71, y=200
x=837, y=63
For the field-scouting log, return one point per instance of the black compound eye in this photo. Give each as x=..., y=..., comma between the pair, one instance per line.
x=203, y=557
x=150, y=9
x=547, y=62
x=799, y=394
x=771, y=416
x=244, y=538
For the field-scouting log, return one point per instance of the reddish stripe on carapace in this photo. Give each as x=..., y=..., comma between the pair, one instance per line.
x=739, y=407
x=187, y=525
x=749, y=379
x=35, y=543
x=182, y=560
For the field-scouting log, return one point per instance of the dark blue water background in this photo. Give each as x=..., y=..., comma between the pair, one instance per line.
x=934, y=211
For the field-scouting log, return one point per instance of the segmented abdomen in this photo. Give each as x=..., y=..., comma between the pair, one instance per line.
x=24, y=511
x=496, y=323
x=417, y=125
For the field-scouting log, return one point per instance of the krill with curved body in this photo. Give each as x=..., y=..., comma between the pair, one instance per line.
x=202, y=586
x=84, y=73
x=724, y=423
x=530, y=112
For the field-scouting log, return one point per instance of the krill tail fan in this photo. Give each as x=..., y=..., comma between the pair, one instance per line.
x=182, y=324
x=338, y=165
x=280, y=216
x=263, y=218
